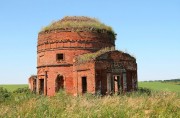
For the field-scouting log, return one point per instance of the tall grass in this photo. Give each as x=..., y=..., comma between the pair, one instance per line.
x=132, y=105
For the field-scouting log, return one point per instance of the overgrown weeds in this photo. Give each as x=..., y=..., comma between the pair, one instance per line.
x=131, y=105
x=4, y=94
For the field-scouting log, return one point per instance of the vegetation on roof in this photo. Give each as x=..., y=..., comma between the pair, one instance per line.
x=78, y=23
x=33, y=76
x=92, y=56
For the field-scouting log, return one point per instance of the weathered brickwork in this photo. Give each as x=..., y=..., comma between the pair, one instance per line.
x=116, y=65
x=58, y=67
x=70, y=44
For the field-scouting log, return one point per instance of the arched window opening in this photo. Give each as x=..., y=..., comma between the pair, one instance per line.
x=59, y=83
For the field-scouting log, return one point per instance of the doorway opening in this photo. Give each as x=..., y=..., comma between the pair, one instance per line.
x=99, y=87
x=34, y=85
x=118, y=86
x=41, y=89
x=59, y=83
x=84, y=84
x=110, y=84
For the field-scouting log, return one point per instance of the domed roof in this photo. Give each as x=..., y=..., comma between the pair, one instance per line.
x=78, y=23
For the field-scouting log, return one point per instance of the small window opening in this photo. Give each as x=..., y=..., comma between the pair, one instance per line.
x=60, y=57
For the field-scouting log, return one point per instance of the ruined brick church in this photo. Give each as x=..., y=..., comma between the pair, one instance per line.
x=77, y=54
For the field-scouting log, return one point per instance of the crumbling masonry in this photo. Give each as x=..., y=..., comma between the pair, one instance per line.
x=78, y=54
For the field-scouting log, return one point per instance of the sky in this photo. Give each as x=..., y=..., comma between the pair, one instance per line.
x=147, y=29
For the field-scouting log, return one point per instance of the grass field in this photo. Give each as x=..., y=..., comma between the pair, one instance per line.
x=158, y=104
x=157, y=86
x=134, y=105
x=160, y=86
x=12, y=87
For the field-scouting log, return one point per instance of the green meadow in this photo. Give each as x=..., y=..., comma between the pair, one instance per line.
x=157, y=86
x=161, y=86
x=12, y=87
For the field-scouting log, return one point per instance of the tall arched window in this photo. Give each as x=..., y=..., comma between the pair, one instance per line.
x=59, y=83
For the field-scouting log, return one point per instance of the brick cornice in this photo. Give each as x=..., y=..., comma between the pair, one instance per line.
x=55, y=65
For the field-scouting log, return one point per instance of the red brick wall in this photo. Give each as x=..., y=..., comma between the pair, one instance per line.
x=84, y=70
x=76, y=40
x=70, y=44
x=97, y=72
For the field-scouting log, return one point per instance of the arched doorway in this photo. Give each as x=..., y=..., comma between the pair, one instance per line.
x=59, y=83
